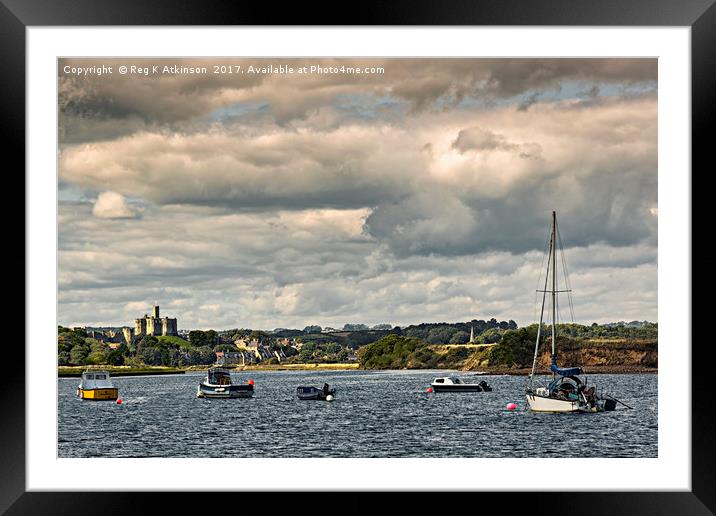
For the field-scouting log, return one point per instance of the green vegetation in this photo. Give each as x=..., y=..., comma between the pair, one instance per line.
x=398, y=352
x=633, y=330
x=75, y=348
x=320, y=351
x=515, y=347
x=199, y=338
x=173, y=340
x=76, y=371
x=393, y=352
x=429, y=345
x=456, y=333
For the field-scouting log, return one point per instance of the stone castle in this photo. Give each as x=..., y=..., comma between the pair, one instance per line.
x=153, y=325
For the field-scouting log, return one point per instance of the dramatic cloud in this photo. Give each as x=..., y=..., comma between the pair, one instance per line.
x=421, y=193
x=111, y=205
x=144, y=102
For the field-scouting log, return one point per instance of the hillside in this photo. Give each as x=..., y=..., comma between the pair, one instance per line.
x=514, y=353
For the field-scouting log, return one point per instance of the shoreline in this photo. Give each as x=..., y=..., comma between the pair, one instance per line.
x=587, y=370
x=300, y=367
x=116, y=371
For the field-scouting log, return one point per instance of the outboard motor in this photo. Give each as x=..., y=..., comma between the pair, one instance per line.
x=484, y=386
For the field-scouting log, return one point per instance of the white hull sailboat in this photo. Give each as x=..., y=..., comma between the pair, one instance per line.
x=566, y=392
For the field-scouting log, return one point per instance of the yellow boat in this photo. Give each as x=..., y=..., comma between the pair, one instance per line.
x=97, y=385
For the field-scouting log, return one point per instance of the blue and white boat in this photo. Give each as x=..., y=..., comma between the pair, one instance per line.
x=218, y=384
x=314, y=393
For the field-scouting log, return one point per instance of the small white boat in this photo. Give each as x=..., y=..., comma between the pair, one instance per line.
x=452, y=384
x=97, y=385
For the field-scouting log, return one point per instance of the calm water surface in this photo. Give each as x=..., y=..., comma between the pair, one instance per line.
x=375, y=414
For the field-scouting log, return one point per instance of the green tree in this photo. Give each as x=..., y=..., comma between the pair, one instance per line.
x=151, y=355
x=440, y=334
x=257, y=334
x=460, y=337
x=490, y=336
x=516, y=347
x=78, y=355
x=392, y=352
x=212, y=338
x=198, y=338
x=115, y=358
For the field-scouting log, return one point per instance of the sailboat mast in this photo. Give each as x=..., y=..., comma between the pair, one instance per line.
x=554, y=280
x=541, y=313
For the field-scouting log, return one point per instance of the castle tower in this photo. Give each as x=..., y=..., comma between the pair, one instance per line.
x=156, y=312
x=140, y=326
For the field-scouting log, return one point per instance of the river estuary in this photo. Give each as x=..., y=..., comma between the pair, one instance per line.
x=375, y=414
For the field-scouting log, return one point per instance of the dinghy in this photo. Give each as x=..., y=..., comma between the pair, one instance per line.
x=314, y=393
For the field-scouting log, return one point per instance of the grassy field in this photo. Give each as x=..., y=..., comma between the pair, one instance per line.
x=170, y=339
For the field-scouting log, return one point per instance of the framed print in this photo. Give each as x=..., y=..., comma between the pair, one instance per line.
x=440, y=240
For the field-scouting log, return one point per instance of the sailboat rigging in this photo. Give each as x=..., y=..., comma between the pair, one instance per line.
x=567, y=392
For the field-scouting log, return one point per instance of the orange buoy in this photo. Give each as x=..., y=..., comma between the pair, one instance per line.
x=251, y=382
x=119, y=401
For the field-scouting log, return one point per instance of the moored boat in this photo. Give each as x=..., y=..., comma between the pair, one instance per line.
x=566, y=392
x=218, y=384
x=97, y=385
x=314, y=393
x=452, y=384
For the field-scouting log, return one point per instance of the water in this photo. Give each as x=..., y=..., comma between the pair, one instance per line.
x=375, y=414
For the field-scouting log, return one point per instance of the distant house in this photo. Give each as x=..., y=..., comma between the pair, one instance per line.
x=229, y=357
x=246, y=343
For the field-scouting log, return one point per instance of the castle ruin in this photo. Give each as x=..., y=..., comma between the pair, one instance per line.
x=154, y=325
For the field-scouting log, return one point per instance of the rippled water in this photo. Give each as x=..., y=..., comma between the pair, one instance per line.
x=375, y=414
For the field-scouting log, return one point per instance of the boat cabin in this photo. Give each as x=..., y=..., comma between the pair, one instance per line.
x=218, y=376
x=95, y=380
x=448, y=381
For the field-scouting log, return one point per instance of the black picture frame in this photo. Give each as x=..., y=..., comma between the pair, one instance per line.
x=699, y=15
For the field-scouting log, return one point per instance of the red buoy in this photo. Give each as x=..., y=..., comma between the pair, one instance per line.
x=119, y=401
x=430, y=389
x=251, y=382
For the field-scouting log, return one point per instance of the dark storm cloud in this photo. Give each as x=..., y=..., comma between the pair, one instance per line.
x=476, y=189
x=135, y=102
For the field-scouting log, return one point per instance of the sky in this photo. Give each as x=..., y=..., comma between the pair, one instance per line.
x=422, y=193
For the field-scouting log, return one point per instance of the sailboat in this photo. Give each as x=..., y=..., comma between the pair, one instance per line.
x=566, y=392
